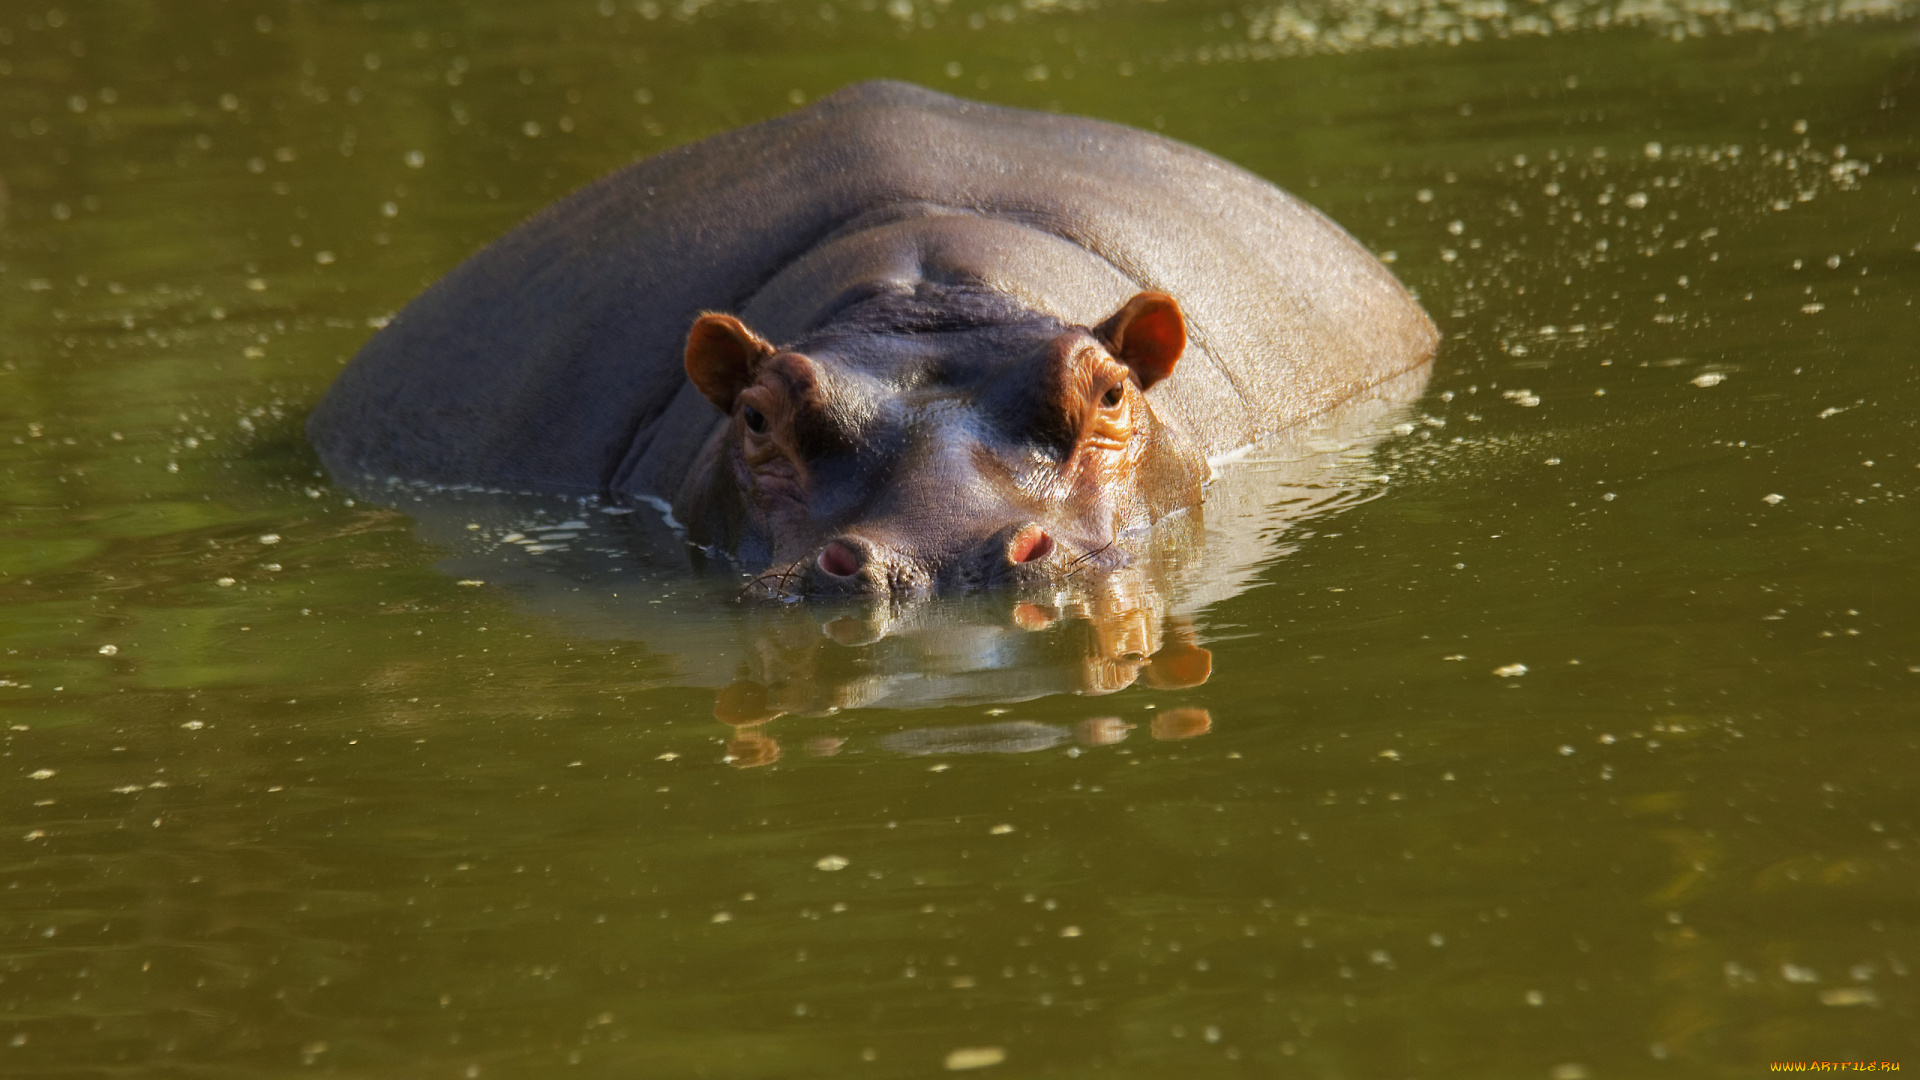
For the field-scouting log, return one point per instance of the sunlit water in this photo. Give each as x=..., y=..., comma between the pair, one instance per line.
x=1558, y=723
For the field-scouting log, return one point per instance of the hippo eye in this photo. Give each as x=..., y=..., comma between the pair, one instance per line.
x=1113, y=396
x=756, y=420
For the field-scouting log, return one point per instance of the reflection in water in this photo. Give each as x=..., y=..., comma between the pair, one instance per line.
x=622, y=573
x=1182, y=724
x=1011, y=737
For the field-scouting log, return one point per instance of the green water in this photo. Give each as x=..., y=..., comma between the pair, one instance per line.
x=281, y=795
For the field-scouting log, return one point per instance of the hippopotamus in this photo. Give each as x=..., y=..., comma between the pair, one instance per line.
x=890, y=344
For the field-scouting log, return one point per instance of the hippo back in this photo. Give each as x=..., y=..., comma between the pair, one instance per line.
x=551, y=360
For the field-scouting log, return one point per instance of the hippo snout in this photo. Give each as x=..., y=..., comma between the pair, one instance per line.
x=853, y=565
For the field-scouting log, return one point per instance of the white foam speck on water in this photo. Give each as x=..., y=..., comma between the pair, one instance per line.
x=665, y=510
x=1510, y=670
x=270, y=539
x=974, y=1057
x=109, y=650
x=514, y=538
x=42, y=774
x=831, y=862
x=1774, y=499
x=1000, y=830
x=1711, y=378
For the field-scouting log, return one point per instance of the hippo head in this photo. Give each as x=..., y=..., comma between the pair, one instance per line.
x=936, y=439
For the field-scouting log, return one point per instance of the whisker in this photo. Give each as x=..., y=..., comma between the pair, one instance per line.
x=1096, y=552
x=773, y=583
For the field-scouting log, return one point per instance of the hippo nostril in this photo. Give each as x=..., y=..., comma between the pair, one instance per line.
x=840, y=559
x=1030, y=544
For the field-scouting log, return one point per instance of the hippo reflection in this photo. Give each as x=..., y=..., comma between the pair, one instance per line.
x=752, y=747
x=962, y=346
x=1008, y=737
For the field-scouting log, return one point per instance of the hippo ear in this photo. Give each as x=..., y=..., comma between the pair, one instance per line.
x=721, y=357
x=1147, y=334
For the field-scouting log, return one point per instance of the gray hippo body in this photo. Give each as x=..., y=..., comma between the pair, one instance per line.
x=902, y=258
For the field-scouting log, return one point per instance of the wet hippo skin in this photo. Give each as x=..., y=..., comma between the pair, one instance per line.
x=893, y=342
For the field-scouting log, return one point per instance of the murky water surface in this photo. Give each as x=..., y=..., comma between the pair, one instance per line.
x=1560, y=723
